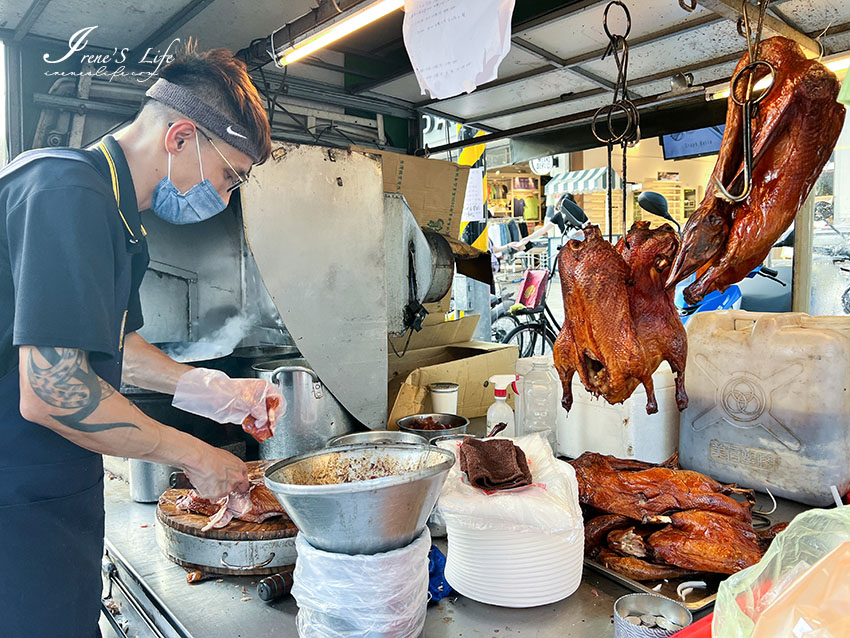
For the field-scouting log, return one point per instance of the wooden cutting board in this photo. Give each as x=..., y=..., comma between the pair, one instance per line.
x=190, y=523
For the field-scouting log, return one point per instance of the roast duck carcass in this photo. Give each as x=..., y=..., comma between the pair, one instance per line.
x=620, y=323
x=255, y=506
x=649, y=522
x=794, y=131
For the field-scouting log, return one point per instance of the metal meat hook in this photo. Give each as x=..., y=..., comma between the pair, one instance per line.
x=748, y=103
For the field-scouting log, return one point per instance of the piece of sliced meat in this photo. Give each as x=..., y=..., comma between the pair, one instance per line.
x=235, y=505
x=630, y=542
x=263, y=432
x=255, y=506
x=596, y=529
x=192, y=502
x=638, y=569
x=263, y=505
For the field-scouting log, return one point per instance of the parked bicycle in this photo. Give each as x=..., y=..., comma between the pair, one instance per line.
x=501, y=321
x=536, y=326
x=537, y=333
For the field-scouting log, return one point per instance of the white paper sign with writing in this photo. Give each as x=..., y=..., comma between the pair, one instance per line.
x=456, y=45
x=473, y=202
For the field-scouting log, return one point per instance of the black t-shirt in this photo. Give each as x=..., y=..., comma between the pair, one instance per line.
x=556, y=217
x=70, y=267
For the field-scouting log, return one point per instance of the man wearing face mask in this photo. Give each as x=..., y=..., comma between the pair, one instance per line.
x=72, y=256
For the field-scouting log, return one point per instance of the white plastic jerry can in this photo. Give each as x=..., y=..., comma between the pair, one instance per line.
x=769, y=402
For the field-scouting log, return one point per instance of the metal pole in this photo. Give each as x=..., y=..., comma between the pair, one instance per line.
x=557, y=122
x=801, y=281
x=14, y=101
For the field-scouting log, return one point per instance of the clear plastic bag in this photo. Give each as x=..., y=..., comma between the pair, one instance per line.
x=550, y=504
x=800, y=588
x=363, y=596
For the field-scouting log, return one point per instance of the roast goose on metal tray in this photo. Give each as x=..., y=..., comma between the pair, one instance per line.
x=650, y=522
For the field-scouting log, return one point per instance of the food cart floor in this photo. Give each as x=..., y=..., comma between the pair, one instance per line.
x=211, y=609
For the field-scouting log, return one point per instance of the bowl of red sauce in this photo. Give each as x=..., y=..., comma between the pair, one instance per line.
x=433, y=425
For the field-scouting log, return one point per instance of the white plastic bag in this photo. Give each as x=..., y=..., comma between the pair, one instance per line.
x=364, y=596
x=550, y=504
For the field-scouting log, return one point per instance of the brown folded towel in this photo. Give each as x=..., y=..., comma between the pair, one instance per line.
x=494, y=464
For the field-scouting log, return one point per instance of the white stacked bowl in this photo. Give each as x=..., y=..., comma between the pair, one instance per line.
x=512, y=569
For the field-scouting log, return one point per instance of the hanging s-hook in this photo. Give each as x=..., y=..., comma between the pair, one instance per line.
x=620, y=106
x=688, y=5
x=819, y=40
x=748, y=103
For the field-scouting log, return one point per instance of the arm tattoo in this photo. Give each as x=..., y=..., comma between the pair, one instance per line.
x=67, y=382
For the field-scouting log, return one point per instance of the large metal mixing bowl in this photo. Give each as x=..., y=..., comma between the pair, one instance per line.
x=361, y=499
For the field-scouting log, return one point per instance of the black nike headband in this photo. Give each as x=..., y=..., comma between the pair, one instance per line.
x=183, y=100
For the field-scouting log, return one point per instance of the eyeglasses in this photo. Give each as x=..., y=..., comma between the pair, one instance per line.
x=240, y=179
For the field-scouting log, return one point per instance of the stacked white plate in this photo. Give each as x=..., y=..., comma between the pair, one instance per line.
x=513, y=569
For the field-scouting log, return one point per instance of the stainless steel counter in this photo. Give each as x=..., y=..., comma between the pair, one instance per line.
x=214, y=609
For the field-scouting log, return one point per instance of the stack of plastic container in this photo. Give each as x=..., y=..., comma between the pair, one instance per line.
x=624, y=430
x=515, y=548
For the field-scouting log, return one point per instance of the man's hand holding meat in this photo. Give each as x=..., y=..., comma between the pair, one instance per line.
x=59, y=390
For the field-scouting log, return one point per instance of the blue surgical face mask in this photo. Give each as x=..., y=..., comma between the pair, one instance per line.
x=200, y=202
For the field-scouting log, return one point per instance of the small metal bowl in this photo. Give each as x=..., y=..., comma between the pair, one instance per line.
x=377, y=436
x=459, y=438
x=637, y=605
x=458, y=425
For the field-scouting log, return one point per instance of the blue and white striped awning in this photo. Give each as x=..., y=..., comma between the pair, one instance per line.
x=587, y=181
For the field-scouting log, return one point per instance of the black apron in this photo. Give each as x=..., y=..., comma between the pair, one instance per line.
x=51, y=505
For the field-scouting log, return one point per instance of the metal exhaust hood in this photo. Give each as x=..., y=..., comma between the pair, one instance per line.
x=345, y=264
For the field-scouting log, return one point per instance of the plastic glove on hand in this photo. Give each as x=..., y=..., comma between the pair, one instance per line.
x=254, y=404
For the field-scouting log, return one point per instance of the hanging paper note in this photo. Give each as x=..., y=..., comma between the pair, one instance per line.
x=456, y=45
x=473, y=202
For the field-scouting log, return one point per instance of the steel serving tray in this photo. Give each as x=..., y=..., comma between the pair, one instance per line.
x=696, y=600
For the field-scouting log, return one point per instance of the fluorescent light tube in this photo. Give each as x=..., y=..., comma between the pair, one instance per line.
x=344, y=27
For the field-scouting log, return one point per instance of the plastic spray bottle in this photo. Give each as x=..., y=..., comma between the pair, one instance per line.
x=500, y=411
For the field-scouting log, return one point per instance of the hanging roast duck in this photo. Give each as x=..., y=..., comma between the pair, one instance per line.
x=794, y=130
x=619, y=321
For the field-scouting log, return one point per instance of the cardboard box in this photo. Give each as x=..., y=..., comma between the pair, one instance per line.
x=434, y=190
x=444, y=353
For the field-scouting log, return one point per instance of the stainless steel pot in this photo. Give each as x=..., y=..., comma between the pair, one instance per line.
x=148, y=480
x=313, y=415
